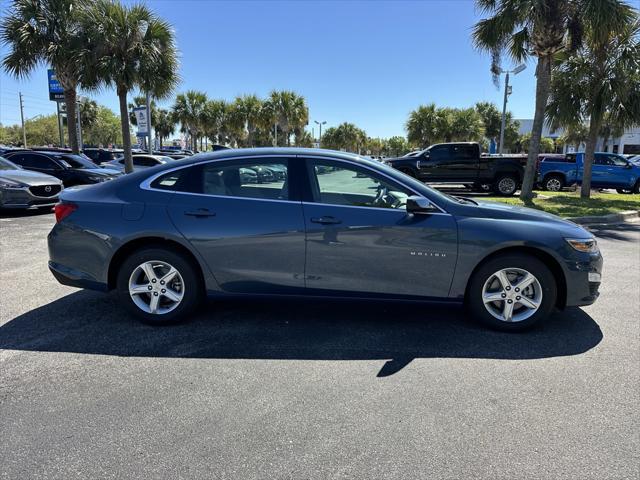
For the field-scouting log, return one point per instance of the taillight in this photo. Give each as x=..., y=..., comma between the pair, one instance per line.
x=63, y=210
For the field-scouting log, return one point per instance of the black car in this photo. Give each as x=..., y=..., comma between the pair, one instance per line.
x=102, y=155
x=463, y=163
x=71, y=169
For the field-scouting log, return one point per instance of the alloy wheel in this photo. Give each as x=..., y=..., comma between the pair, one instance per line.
x=507, y=185
x=156, y=287
x=512, y=294
x=554, y=185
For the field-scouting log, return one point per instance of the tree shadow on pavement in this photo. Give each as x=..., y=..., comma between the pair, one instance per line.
x=93, y=323
x=619, y=231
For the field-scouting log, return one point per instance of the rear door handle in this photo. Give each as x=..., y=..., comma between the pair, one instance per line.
x=201, y=212
x=326, y=220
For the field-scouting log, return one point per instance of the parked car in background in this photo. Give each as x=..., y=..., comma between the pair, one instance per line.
x=141, y=161
x=103, y=155
x=635, y=159
x=172, y=155
x=23, y=189
x=71, y=169
x=463, y=163
x=609, y=170
x=361, y=230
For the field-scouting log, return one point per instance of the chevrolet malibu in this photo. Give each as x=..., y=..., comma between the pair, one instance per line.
x=336, y=225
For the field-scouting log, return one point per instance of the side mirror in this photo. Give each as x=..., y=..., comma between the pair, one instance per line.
x=420, y=205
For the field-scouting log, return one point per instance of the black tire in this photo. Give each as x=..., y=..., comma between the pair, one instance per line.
x=636, y=188
x=191, y=284
x=625, y=191
x=547, y=282
x=553, y=183
x=506, y=185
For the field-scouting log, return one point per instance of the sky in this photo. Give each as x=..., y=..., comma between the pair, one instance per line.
x=365, y=62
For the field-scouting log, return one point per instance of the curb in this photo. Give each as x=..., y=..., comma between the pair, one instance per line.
x=620, y=217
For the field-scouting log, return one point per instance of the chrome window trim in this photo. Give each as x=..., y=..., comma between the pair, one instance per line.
x=146, y=184
x=367, y=167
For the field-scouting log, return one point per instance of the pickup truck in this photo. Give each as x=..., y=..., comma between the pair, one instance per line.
x=463, y=163
x=609, y=170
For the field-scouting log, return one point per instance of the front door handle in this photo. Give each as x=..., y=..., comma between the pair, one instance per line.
x=201, y=212
x=326, y=220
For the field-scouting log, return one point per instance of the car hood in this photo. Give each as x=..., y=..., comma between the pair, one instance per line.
x=514, y=212
x=29, y=177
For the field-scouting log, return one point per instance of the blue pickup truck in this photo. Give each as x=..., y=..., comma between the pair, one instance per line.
x=609, y=170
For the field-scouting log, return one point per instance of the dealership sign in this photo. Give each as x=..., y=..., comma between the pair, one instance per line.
x=56, y=92
x=142, y=121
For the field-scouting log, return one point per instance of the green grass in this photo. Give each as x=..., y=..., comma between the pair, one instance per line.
x=569, y=204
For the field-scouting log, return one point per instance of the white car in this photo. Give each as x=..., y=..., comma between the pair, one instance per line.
x=140, y=162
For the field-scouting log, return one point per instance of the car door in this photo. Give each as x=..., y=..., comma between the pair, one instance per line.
x=617, y=169
x=251, y=235
x=601, y=171
x=433, y=164
x=361, y=241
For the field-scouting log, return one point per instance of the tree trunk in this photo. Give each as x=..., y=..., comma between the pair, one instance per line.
x=70, y=100
x=126, y=133
x=543, y=74
x=590, y=148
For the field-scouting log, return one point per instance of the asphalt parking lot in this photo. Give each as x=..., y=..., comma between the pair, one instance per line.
x=312, y=390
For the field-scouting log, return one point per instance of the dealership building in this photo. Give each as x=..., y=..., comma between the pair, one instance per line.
x=627, y=143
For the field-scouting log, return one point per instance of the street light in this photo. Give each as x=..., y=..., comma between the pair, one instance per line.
x=320, y=134
x=507, y=92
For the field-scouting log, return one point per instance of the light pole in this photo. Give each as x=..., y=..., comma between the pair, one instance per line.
x=320, y=133
x=507, y=92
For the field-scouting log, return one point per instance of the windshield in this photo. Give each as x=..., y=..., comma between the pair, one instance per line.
x=7, y=165
x=76, y=161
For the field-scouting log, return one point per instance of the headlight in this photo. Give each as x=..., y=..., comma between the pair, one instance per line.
x=6, y=183
x=586, y=245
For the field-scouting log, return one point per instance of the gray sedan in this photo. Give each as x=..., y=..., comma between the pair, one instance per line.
x=335, y=225
x=24, y=189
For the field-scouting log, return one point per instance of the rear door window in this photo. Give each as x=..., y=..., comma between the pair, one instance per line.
x=266, y=179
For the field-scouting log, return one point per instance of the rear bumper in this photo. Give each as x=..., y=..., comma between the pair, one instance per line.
x=75, y=278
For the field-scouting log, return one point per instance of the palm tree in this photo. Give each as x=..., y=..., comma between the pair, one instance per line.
x=134, y=49
x=345, y=136
x=540, y=28
x=466, y=125
x=211, y=118
x=163, y=124
x=248, y=109
x=188, y=110
x=290, y=111
x=422, y=126
x=600, y=85
x=47, y=31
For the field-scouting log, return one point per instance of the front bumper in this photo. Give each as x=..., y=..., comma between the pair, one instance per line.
x=22, y=198
x=584, y=276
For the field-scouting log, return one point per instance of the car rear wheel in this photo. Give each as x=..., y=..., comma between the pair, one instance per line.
x=512, y=292
x=553, y=183
x=159, y=286
x=505, y=185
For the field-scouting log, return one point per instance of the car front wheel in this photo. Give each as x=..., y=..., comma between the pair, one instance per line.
x=159, y=286
x=512, y=292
